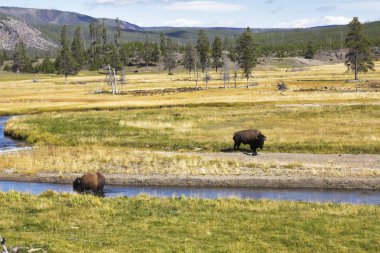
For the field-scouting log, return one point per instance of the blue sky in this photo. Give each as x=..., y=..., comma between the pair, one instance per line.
x=207, y=13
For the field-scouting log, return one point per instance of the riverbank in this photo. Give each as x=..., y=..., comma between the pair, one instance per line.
x=207, y=181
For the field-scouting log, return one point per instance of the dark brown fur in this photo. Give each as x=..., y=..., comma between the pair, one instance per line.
x=251, y=137
x=90, y=181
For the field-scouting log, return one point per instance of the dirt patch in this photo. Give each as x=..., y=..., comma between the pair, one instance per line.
x=154, y=91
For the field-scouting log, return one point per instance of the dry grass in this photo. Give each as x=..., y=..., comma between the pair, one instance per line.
x=128, y=161
x=19, y=95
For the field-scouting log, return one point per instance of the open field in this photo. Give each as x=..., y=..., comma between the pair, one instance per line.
x=75, y=129
x=124, y=134
x=210, y=128
x=315, y=85
x=67, y=223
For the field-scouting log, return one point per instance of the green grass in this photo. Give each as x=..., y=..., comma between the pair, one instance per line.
x=73, y=223
x=337, y=129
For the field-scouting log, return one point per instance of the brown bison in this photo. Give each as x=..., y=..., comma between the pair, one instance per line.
x=252, y=137
x=90, y=182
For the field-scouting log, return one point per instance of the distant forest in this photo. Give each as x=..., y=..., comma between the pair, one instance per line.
x=100, y=44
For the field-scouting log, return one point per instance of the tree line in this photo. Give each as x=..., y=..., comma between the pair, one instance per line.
x=241, y=53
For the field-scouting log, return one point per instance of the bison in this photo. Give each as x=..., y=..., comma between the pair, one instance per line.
x=252, y=137
x=90, y=182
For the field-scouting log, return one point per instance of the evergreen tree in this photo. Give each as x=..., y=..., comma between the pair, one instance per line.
x=359, y=57
x=162, y=49
x=155, y=53
x=147, y=51
x=65, y=62
x=124, y=57
x=94, y=55
x=217, y=51
x=247, y=53
x=77, y=48
x=5, y=56
x=171, y=56
x=310, y=52
x=47, y=66
x=203, y=48
x=104, y=41
x=21, y=60
x=115, y=60
x=189, y=57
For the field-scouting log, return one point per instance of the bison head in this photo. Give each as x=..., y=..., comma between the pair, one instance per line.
x=78, y=185
x=261, y=139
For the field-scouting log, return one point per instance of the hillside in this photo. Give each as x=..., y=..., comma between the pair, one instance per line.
x=56, y=17
x=12, y=30
x=48, y=24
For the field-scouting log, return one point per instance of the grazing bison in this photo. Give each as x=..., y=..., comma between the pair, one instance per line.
x=90, y=181
x=252, y=137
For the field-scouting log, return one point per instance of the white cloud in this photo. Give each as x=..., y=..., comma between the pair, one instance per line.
x=208, y=6
x=311, y=22
x=178, y=5
x=120, y=2
x=183, y=22
x=362, y=5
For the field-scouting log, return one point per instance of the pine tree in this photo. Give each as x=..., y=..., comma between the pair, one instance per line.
x=147, y=51
x=115, y=48
x=310, y=52
x=1, y=60
x=359, y=57
x=189, y=57
x=247, y=53
x=21, y=60
x=47, y=65
x=65, y=62
x=95, y=52
x=170, y=58
x=162, y=48
x=155, y=53
x=77, y=48
x=203, y=48
x=217, y=51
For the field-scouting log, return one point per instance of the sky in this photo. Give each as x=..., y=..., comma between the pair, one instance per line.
x=217, y=13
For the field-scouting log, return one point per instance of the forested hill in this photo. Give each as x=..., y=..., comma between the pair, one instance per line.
x=289, y=41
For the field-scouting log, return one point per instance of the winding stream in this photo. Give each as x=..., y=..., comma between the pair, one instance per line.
x=6, y=143
x=306, y=195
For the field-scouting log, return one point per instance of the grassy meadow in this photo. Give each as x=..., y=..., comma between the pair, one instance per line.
x=79, y=127
x=75, y=129
x=77, y=223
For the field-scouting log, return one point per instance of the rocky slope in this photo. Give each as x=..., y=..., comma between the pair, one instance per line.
x=56, y=17
x=12, y=30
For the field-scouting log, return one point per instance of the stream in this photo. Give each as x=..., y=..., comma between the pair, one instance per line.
x=306, y=195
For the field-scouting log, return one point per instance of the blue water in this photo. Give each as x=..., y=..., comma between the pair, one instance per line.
x=7, y=143
x=305, y=195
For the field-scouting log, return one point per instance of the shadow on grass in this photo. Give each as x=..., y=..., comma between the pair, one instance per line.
x=241, y=150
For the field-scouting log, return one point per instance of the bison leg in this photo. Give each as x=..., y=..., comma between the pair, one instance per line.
x=253, y=148
x=237, y=145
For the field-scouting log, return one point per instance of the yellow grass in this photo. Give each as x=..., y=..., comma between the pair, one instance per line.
x=128, y=161
x=21, y=95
